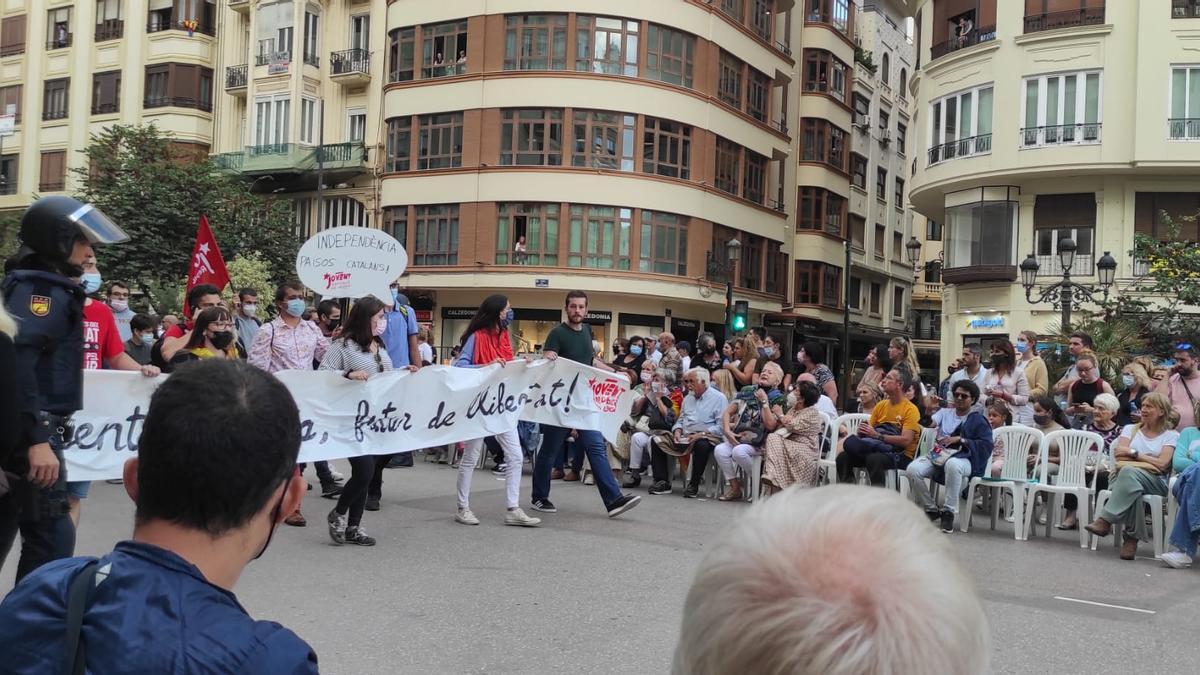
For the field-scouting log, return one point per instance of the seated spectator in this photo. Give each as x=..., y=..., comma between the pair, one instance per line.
x=696, y=432
x=142, y=328
x=163, y=601
x=998, y=415
x=1047, y=417
x=963, y=453
x=1104, y=410
x=1137, y=384
x=1143, y=455
x=660, y=412
x=869, y=394
x=745, y=423
x=806, y=582
x=1187, y=452
x=888, y=440
x=824, y=403
x=1083, y=391
x=790, y=458
x=1186, y=531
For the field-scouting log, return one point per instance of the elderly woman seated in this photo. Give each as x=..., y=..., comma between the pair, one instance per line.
x=961, y=453
x=790, y=455
x=1143, y=454
x=746, y=421
x=659, y=408
x=1103, y=424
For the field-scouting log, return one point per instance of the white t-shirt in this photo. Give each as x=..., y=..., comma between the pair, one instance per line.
x=825, y=405
x=947, y=421
x=687, y=363
x=1150, y=447
x=426, y=352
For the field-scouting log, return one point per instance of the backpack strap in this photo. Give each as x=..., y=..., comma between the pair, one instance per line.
x=78, y=598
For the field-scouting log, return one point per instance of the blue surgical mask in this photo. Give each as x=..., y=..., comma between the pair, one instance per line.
x=396, y=296
x=636, y=350
x=507, y=318
x=1022, y=346
x=765, y=352
x=1128, y=381
x=148, y=339
x=91, y=282
x=295, y=307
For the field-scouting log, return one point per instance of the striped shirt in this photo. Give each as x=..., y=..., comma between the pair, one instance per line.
x=346, y=356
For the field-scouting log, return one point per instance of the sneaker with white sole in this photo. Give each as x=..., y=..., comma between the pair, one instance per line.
x=544, y=505
x=465, y=517
x=1177, y=560
x=337, y=526
x=517, y=517
x=359, y=537
x=337, y=477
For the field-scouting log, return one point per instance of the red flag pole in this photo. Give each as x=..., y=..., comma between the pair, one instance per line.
x=206, y=265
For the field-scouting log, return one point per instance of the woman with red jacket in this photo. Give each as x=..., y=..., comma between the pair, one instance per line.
x=486, y=342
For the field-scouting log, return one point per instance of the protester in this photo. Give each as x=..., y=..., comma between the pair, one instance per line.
x=1143, y=455
x=660, y=411
x=245, y=321
x=1103, y=424
x=1136, y=383
x=329, y=317
x=963, y=454
x=1185, y=533
x=118, y=302
x=745, y=423
x=141, y=340
x=401, y=342
x=1047, y=417
x=697, y=430
x=1182, y=387
x=1084, y=390
x=168, y=321
x=806, y=582
x=199, y=298
x=888, y=440
x=1077, y=344
x=486, y=342
x=791, y=458
x=572, y=340
x=943, y=389
x=1035, y=372
x=744, y=364
x=211, y=337
x=162, y=600
x=1187, y=451
x=727, y=352
x=878, y=363
x=358, y=354
x=812, y=357
x=1004, y=382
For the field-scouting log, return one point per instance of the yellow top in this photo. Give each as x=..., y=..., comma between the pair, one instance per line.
x=904, y=415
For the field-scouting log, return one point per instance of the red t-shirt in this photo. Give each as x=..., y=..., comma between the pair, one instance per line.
x=174, y=331
x=101, y=341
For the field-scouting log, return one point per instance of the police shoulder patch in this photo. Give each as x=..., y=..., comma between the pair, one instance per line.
x=39, y=305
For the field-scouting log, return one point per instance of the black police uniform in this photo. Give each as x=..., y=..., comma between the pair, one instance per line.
x=49, y=356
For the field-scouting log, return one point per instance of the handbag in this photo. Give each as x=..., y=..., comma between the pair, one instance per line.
x=940, y=454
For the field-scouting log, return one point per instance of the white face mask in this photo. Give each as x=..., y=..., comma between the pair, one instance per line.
x=647, y=376
x=249, y=310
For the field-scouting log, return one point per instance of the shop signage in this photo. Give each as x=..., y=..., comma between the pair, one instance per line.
x=541, y=283
x=985, y=322
x=597, y=316
x=424, y=315
x=458, y=312
x=779, y=323
x=685, y=323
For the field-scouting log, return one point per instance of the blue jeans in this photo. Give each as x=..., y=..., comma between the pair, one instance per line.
x=1187, y=519
x=553, y=438
x=40, y=515
x=953, y=475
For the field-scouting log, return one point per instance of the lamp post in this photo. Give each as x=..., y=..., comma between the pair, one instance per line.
x=1067, y=294
x=725, y=268
x=913, y=250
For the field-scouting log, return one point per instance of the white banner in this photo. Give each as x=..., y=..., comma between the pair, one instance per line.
x=392, y=412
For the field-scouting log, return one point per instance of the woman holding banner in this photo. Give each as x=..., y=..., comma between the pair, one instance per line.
x=212, y=337
x=485, y=342
x=358, y=354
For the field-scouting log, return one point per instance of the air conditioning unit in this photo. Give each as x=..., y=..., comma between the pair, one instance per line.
x=863, y=122
x=885, y=136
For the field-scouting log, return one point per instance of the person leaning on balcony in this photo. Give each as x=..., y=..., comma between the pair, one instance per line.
x=965, y=26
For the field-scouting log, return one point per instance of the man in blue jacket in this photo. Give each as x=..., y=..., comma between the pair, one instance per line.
x=163, y=602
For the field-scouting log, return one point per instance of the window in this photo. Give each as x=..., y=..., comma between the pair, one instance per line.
x=901, y=136
x=309, y=120
x=12, y=35
x=961, y=125
x=436, y=240
x=760, y=18
x=1167, y=216
x=8, y=174
x=271, y=120
x=538, y=223
x=834, y=13
x=885, y=120
x=58, y=28
x=729, y=86
x=881, y=184
x=54, y=171
x=356, y=125
x=1185, y=9
x=670, y=55
x=933, y=230
x=311, y=33
x=728, y=164
x=898, y=202
x=1056, y=217
x=824, y=143
x=106, y=92
x=858, y=170
x=876, y=299
x=1055, y=14
x=1062, y=109
x=599, y=237
x=754, y=185
x=758, y=96
x=360, y=33
x=531, y=137
x=667, y=148
x=897, y=246
x=10, y=100
x=903, y=83
x=55, y=98
x=663, y=243
x=402, y=47
x=898, y=302
x=862, y=109
x=776, y=276
x=179, y=85
x=825, y=73
x=732, y=8
x=398, y=146
x=606, y=45
x=858, y=232
x=750, y=265
x=982, y=233
x=343, y=212
x=962, y=30
x=822, y=211
x=535, y=42
x=440, y=140
x=603, y=140
x=395, y=223
x=1184, y=122
x=854, y=301
x=818, y=284
x=885, y=68
x=880, y=237
x=444, y=49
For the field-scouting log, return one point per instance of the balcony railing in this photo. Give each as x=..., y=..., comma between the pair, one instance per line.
x=963, y=147
x=312, y=60
x=156, y=25
x=1181, y=128
x=54, y=114
x=105, y=108
x=983, y=34
x=840, y=23
x=1186, y=10
x=1051, y=266
x=1088, y=16
x=824, y=88
x=178, y=102
x=60, y=42
x=8, y=186
x=443, y=70
x=110, y=29
x=292, y=158
x=235, y=76
x=1063, y=134
x=350, y=61
x=929, y=288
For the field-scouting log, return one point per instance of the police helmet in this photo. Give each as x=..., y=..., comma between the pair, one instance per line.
x=51, y=225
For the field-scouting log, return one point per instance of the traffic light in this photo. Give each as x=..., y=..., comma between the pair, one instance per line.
x=741, y=316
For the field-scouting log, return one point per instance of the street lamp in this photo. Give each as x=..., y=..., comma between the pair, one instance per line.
x=725, y=268
x=1067, y=294
x=913, y=250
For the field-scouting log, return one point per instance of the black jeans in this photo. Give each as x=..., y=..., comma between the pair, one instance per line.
x=660, y=462
x=375, y=489
x=869, y=454
x=354, y=493
x=40, y=516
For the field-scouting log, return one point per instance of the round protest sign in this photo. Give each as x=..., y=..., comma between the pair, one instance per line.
x=350, y=262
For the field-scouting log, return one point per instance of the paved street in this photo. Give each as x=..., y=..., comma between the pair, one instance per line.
x=588, y=595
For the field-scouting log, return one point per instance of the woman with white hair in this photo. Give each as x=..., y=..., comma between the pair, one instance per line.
x=748, y=418
x=1104, y=412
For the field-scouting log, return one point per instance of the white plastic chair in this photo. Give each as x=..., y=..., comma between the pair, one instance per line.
x=924, y=447
x=1155, y=502
x=1074, y=449
x=849, y=422
x=1014, y=476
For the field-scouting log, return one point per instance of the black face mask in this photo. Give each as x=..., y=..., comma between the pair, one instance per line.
x=221, y=339
x=274, y=522
x=332, y=324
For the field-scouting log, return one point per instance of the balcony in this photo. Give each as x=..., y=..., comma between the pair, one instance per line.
x=928, y=289
x=110, y=29
x=1088, y=16
x=235, y=79
x=351, y=67
x=157, y=24
x=1063, y=134
x=61, y=42
x=984, y=34
x=105, y=108
x=1183, y=129
x=293, y=158
x=964, y=147
x=312, y=60
x=1051, y=265
x=177, y=102
x=241, y=6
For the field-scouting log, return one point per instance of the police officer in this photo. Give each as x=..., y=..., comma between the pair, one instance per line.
x=57, y=234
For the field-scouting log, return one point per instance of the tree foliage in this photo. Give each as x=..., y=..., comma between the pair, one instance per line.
x=157, y=191
x=10, y=224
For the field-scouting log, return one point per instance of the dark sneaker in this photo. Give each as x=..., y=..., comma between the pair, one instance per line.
x=544, y=505
x=933, y=514
x=662, y=487
x=947, y=521
x=372, y=503
x=623, y=504
x=330, y=489
x=501, y=470
x=357, y=535
x=634, y=480
x=691, y=492
x=337, y=527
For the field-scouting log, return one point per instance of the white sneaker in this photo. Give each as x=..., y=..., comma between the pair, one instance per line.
x=333, y=473
x=517, y=517
x=1177, y=560
x=465, y=517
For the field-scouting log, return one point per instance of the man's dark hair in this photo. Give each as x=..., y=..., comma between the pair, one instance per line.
x=808, y=392
x=1084, y=338
x=684, y=346
x=1185, y=347
x=760, y=331
x=906, y=376
x=882, y=359
x=968, y=386
x=576, y=294
x=975, y=348
x=249, y=421
x=247, y=293
x=117, y=284
x=141, y=322
x=326, y=307
x=282, y=289
x=815, y=351
x=197, y=292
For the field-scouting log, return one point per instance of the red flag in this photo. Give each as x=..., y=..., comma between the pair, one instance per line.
x=207, y=266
